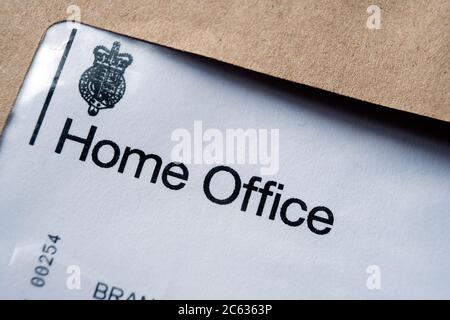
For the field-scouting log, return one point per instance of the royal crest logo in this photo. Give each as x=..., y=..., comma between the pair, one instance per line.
x=103, y=84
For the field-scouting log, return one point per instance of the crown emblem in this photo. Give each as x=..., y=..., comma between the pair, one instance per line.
x=103, y=84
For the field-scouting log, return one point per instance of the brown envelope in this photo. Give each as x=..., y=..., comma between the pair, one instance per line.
x=325, y=44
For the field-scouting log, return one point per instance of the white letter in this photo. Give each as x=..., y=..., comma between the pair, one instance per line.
x=74, y=17
x=198, y=142
x=240, y=135
x=374, y=280
x=74, y=280
x=213, y=153
x=272, y=161
x=374, y=20
x=181, y=152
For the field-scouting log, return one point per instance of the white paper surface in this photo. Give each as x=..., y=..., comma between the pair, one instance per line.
x=388, y=191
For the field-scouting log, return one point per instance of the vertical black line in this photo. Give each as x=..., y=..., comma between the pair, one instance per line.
x=53, y=87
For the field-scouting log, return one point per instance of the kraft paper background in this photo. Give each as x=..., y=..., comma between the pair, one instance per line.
x=325, y=44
